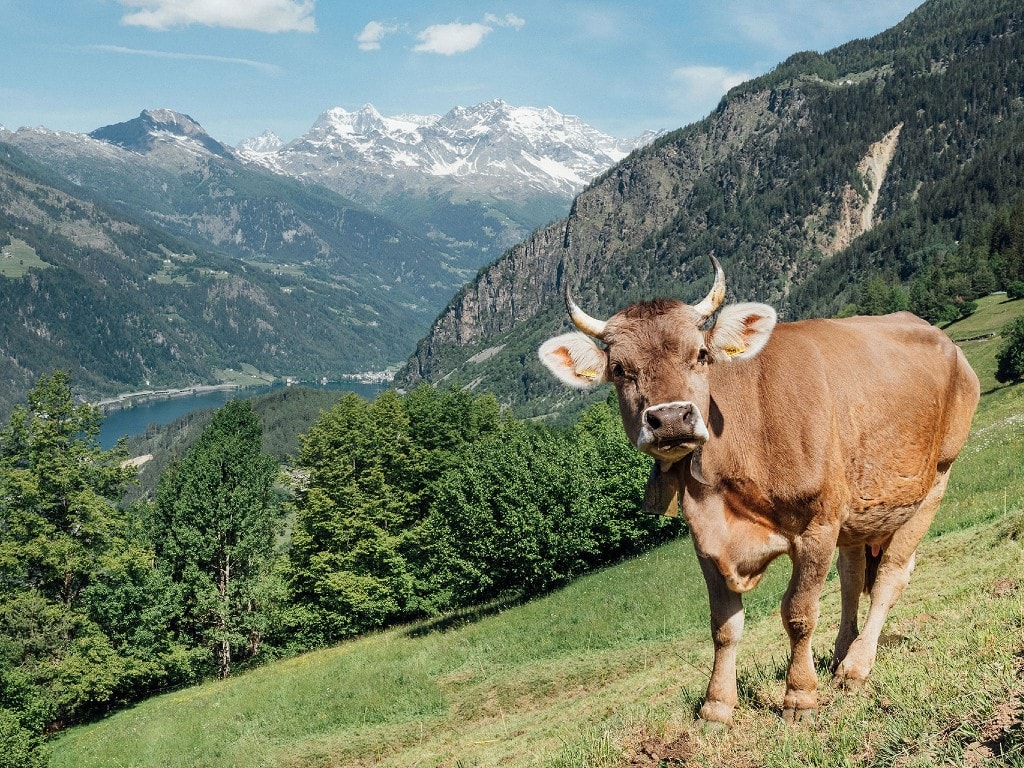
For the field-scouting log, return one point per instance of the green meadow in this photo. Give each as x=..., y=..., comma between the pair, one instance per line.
x=609, y=670
x=18, y=258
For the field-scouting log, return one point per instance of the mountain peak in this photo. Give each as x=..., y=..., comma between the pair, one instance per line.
x=155, y=126
x=492, y=148
x=266, y=142
x=364, y=122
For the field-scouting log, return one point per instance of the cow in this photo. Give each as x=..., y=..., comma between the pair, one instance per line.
x=792, y=438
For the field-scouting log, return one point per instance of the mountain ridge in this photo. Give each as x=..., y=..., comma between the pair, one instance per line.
x=783, y=183
x=491, y=147
x=381, y=280
x=123, y=305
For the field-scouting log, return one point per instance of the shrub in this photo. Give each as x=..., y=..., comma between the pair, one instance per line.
x=1011, y=355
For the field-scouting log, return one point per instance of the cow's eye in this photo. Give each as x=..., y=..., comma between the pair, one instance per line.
x=702, y=356
x=618, y=372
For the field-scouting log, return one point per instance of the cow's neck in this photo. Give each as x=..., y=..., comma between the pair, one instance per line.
x=724, y=530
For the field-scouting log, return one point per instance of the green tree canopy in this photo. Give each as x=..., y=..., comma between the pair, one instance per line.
x=1010, y=358
x=65, y=543
x=214, y=525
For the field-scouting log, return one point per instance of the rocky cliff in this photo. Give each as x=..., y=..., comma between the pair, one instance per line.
x=617, y=214
x=870, y=162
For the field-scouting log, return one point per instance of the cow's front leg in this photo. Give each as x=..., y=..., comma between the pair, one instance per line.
x=726, y=631
x=812, y=557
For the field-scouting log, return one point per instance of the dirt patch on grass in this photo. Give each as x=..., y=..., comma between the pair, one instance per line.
x=653, y=752
x=1003, y=733
x=996, y=735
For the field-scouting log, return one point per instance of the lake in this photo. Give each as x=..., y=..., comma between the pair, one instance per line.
x=135, y=419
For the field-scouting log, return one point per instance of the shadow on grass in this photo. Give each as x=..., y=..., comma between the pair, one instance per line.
x=464, y=616
x=998, y=387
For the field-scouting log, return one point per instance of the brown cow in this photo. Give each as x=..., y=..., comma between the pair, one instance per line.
x=793, y=439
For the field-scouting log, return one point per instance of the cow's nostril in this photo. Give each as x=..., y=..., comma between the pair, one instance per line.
x=652, y=420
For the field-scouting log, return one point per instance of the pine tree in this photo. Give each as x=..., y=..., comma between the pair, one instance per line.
x=63, y=538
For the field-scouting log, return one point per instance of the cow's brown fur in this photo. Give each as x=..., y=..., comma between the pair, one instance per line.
x=837, y=434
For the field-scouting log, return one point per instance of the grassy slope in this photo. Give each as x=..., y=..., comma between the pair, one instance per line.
x=608, y=671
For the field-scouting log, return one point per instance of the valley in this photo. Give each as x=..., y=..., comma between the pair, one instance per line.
x=266, y=246
x=435, y=555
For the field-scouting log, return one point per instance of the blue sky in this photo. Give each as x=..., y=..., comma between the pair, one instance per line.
x=243, y=66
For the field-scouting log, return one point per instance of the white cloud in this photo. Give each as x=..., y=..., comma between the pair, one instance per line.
x=449, y=39
x=369, y=39
x=698, y=89
x=270, y=69
x=508, y=20
x=257, y=15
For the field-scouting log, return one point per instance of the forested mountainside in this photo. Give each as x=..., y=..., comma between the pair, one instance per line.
x=884, y=174
x=121, y=305
x=162, y=168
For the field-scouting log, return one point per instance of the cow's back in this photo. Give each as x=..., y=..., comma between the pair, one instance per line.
x=902, y=385
x=866, y=408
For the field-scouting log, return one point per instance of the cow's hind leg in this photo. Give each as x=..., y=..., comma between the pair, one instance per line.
x=812, y=558
x=893, y=575
x=726, y=630
x=852, y=567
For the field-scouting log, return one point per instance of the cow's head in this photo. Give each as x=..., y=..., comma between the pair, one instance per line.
x=658, y=357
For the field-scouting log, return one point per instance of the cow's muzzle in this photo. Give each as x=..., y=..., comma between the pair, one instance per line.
x=669, y=431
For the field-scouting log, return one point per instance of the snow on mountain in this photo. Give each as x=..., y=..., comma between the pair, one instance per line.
x=154, y=127
x=492, y=148
x=266, y=142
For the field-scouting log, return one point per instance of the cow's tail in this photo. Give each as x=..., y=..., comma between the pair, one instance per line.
x=873, y=556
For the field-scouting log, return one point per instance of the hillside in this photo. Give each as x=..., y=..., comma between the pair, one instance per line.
x=882, y=161
x=163, y=169
x=607, y=672
x=123, y=305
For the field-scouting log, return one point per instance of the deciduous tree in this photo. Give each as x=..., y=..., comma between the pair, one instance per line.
x=214, y=525
x=1010, y=358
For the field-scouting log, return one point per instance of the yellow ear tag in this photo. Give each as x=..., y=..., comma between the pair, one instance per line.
x=733, y=351
x=589, y=373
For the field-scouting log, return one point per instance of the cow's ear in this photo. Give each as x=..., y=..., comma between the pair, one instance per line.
x=575, y=359
x=741, y=331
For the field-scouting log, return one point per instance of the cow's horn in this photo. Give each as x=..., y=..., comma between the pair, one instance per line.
x=589, y=325
x=716, y=295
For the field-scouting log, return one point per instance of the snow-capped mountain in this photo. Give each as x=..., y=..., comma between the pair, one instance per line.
x=155, y=126
x=492, y=149
x=463, y=186
x=268, y=141
x=164, y=169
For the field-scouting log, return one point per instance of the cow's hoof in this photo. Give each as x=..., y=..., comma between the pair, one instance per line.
x=846, y=683
x=792, y=715
x=716, y=713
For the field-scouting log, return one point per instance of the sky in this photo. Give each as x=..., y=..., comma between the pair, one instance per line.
x=240, y=67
